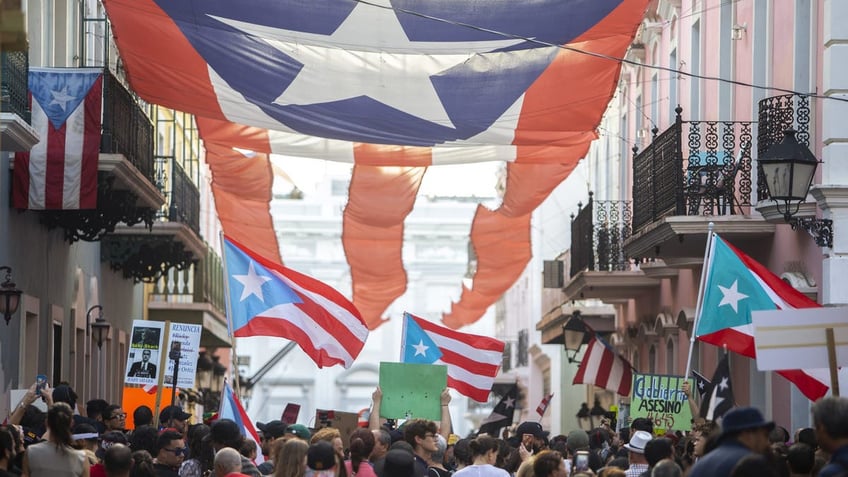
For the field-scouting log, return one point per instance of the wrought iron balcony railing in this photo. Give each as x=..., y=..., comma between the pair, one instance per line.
x=776, y=115
x=183, y=198
x=13, y=83
x=598, y=233
x=694, y=168
x=127, y=129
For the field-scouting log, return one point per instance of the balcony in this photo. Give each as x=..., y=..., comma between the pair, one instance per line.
x=126, y=189
x=693, y=173
x=776, y=115
x=16, y=134
x=173, y=240
x=193, y=295
x=600, y=268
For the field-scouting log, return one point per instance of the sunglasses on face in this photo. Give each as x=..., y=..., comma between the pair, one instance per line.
x=118, y=416
x=178, y=451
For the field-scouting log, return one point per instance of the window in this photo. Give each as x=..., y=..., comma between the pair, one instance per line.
x=523, y=348
x=57, y=353
x=652, y=360
x=669, y=357
x=695, y=69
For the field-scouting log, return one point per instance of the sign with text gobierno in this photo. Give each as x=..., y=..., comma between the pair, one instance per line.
x=660, y=398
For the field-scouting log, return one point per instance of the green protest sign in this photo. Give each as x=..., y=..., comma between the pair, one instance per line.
x=412, y=390
x=660, y=398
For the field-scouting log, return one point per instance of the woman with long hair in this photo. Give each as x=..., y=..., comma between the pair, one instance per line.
x=361, y=445
x=484, y=454
x=55, y=456
x=289, y=458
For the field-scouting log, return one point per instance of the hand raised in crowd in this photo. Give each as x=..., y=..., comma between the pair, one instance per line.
x=687, y=390
x=445, y=397
x=377, y=395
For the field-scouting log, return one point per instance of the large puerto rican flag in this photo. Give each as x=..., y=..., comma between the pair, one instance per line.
x=445, y=73
x=736, y=285
x=60, y=172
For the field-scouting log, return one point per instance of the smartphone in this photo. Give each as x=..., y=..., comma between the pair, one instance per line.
x=40, y=383
x=581, y=461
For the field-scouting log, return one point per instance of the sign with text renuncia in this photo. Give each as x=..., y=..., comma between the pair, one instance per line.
x=661, y=399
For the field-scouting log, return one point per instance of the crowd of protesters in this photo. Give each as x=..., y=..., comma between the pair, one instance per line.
x=66, y=442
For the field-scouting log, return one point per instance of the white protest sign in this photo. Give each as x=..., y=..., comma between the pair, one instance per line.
x=188, y=337
x=143, y=355
x=796, y=339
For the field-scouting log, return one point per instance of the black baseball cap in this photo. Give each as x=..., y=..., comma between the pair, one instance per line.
x=173, y=412
x=272, y=429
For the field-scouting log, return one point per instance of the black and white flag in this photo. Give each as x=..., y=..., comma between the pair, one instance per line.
x=719, y=398
x=502, y=414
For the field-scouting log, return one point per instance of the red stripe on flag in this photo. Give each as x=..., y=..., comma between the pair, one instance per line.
x=20, y=189
x=477, y=341
x=808, y=385
x=735, y=340
x=91, y=146
x=54, y=180
x=605, y=367
x=475, y=393
x=469, y=364
x=265, y=326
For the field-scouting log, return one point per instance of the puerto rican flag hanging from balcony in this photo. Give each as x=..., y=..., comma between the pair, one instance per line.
x=60, y=172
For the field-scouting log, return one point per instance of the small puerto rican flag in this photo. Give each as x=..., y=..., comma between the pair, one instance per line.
x=543, y=406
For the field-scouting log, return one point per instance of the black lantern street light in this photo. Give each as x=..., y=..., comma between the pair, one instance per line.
x=789, y=168
x=574, y=335
x=98, y=330
x=10, y=296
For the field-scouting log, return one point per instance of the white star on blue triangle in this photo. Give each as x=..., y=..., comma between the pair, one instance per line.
x=418, y=347
x=248, y=303
x=59, y=93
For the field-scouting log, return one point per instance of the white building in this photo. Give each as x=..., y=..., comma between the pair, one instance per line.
x=309, y=229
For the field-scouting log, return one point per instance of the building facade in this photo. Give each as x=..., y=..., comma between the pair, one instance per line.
x=705, y=90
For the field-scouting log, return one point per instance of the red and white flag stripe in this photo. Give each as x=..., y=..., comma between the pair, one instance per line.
x=543, y=406
x=605, y=368
x=60, y=171
x=473, y=361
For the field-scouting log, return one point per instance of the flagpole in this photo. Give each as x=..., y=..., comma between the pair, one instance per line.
x=228, y=314
x=698, y=305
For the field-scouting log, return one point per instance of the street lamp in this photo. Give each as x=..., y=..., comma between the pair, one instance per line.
x=788, y=168
x=99, y=330
x=575, y=334
x=10, y=296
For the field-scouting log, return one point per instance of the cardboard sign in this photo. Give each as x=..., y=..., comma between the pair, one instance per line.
x=660, y=398
x=412, y=390
x=345, y=422
x=795, y=339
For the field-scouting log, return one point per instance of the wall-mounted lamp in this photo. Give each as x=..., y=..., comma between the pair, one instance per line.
x=737, y=31
x=789, y=168
x=10, y=296
x=98, y=330
x=574, y=335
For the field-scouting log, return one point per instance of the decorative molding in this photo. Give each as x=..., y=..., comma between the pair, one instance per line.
x=16, y=135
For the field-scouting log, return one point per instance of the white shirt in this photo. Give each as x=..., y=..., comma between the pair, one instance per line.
x=486, y=470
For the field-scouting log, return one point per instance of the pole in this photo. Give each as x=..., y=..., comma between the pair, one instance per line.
x=698, y=305
x=831, y=359
x=163, y=362
x=175, y=355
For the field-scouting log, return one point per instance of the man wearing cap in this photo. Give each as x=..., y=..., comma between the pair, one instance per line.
x=636, y=453
x=271, y=431
x=298, y=431
x=744, y=431
x=175, y=418
x=532, y=438
x=830, y=418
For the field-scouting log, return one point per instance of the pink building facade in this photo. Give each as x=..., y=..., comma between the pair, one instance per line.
x=709, y=85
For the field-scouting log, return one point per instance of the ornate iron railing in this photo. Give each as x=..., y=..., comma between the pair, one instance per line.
x=184, y=199
x=126, y=128
x=598, y=233
x=13, y=83
x=777, y=114
x=708, y=174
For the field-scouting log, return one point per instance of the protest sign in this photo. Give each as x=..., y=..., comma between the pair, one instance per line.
x=188, y=337
x=412, y=390
x=345, y=422
x=660, y=399
x=143, y=355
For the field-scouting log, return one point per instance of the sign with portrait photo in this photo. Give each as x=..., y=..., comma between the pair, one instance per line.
x=143, y=356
